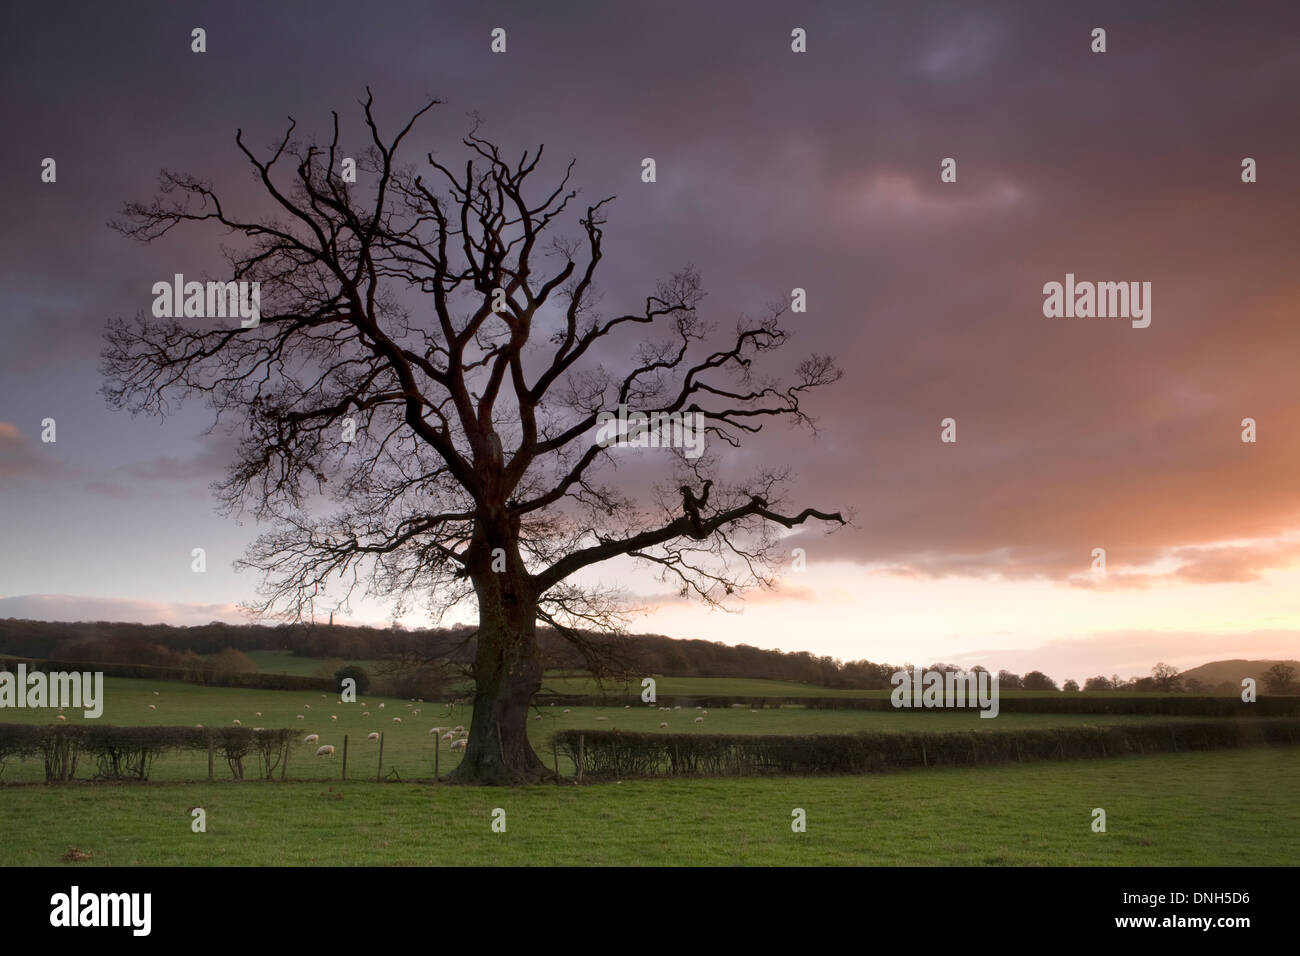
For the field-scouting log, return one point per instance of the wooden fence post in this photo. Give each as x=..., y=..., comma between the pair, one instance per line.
x=345, y=756
x=379, y=774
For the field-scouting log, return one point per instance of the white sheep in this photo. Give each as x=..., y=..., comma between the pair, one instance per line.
x=416, y=712
x=60, y=717
x=538, y=717
x=237, y=723
x=678, y=707
x=458, y=728
x=699, y=720
x=704, y=714
x=627, y=706
x=434, y=731
x=311, y=739
x=365, y=713
x=372, y=736
x=663, y=723
x=300, y=717
x=566, y=710
x=153, y=706
x=308, y=706
x=334, y=716
x=381, y=705
x=459, y=744
x=449, y=735
x=155, y=693
x=258, y=714
x=326, y=751
x=463, y=733
x=397, y=720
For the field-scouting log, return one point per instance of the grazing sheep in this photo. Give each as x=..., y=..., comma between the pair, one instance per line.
x=322, y=695
x=463, y=733
x=311, y=739
x=372, y=736
x=458, y=728
x=155, y=693
x=325, y=751
x=627, y=706
x=663, y=723
x=698, y=707
x=566, y=710
x=153, y=706
x=459, y=744
x=699, y=720
x=60, y=717
x=198, y=726
x=365, y=713
x=308, y=706
x=237, y=723
x=300, y=717
x=397, y=720
x=416, y=712
x=334, y=716
x=434, y=731
x=381, y=705
x=449, y=735
x=678, y=707
x=258, y=714
x=538, y=717
x=704, y=714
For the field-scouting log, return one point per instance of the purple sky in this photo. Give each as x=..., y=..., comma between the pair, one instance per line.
x=775, y=170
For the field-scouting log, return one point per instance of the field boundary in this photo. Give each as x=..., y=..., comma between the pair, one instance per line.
x=612, y=754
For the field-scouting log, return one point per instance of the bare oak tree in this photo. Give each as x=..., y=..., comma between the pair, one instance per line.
x=418, y=305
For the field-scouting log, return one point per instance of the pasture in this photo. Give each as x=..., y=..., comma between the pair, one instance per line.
x=409, y=749
x=1204, y=809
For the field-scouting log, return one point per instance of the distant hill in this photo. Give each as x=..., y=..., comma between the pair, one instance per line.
x=1216, y=672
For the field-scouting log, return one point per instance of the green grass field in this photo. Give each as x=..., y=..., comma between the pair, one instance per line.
x=1209, y=809
x=408, y=748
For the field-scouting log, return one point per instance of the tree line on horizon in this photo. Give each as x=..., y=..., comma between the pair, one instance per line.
x=441, y=654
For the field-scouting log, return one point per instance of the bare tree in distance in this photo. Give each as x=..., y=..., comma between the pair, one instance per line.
x=423, y=310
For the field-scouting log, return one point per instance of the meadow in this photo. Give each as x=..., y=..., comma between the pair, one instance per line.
x=409, y=749
x=1209, y=808
x=1206, y=809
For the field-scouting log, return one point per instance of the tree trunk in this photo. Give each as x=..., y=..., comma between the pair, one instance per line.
x=507, y=673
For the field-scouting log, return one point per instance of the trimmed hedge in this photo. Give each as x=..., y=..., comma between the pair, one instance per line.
x=153, y=672
x=128, y=753
x=1173, y=706
x=613, y=754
